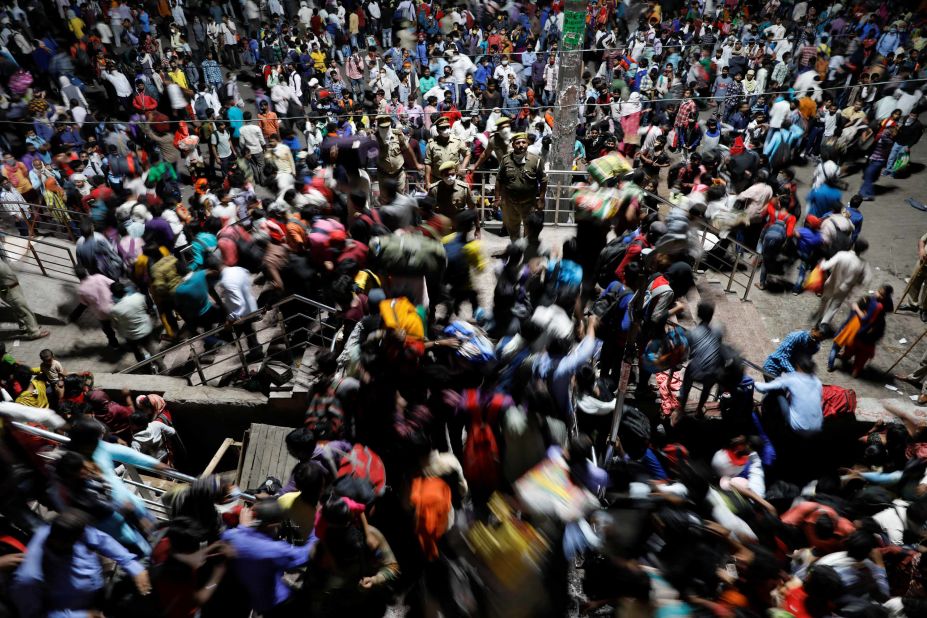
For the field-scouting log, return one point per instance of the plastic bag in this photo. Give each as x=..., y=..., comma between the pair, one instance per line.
x=814, y=282
x=546, y=489
x=901, y=162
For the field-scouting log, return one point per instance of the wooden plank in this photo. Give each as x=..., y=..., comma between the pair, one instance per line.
x=277, y=444
x=259, y=473
x=255, y=452
x=242, y=457
x=217, y=457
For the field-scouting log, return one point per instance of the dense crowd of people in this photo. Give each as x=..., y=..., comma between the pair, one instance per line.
x=579, y=438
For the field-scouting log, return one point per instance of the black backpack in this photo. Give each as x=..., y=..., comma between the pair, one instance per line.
x=634, y=432
x=610, y=308
x=609, y=259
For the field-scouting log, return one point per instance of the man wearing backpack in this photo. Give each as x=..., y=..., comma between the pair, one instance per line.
x=96, y=254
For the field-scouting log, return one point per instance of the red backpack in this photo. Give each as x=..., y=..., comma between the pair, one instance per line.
x=364, y=464
x=481, y=460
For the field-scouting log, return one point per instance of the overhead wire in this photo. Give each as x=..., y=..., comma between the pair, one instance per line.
x=469, y=111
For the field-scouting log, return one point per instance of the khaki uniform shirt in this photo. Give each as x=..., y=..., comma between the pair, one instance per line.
x=499, y=147
x=436, y=153
x=450, y=200
x=520, y=182
x=390, y=160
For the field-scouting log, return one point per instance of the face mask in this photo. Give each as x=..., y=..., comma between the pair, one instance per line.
x=506, y=133
x=505, y=63
x=443, y=132
x=450, y=180
x=383, y=131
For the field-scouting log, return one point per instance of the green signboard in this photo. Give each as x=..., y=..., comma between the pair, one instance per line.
x=574, y=29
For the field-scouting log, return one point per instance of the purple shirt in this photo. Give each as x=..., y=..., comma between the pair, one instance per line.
x=161, y=230
x=260, y=563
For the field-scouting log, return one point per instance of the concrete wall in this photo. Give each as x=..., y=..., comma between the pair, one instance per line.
x=206, y=415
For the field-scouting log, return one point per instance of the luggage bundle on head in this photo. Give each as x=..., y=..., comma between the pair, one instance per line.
x=481, y=460
x=475, y=346
x=431, y=499
x=20, y=81
x=408, y=254
x=608, y=167
x=547, y=490
x=600, y=203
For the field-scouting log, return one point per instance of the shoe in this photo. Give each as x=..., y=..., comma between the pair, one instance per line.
x=923, y=315
x=39, y=335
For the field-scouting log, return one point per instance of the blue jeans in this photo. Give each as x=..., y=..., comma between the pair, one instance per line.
x=870, y=175
x=387, y=37
x=897, y=149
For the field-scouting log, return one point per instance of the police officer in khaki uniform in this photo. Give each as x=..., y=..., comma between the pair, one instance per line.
x=520, y=185
x=392, y=145
x=499, y=144
x=444, y=148
x=452, y=195
x=12, y=294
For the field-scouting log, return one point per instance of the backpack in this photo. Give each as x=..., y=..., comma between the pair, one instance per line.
x=375, y=226
x=164, y=277
x=564, y=279
x=609, y=259
x=322, y=236
x=123, y=165
x=362, y=463
x=612, y=305
x=837, y=401
x=324, y=416
x=431, y=499
x=666, y=352
x=481, y=460
x=634, y=432
x=101, y=257
x=408, y=254
x=200, y=106
x=774, y=238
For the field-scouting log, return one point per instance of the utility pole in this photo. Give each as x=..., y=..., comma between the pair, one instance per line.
x=569, y=89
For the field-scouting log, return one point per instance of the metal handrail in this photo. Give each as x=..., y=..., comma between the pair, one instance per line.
x=46, y=261
x=169, y=473
x=218, y=329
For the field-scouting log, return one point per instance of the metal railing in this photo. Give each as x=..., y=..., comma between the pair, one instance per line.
x=293, y=324
x=735, y=261
x=50, y=258
x=149, y=494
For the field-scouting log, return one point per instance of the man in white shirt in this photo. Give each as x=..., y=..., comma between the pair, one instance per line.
x=847, y=270
x=460, y=66
x=251, y=139
x=131, y=320
x=121, y=84
x=505, y=75
x=238, y=299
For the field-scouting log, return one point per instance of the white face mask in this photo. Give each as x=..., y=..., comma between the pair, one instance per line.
x=505, y=63
x=443, y=132
x=450, y=179
x=505, y=132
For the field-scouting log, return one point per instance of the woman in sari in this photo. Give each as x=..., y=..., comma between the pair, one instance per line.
x=56, y=201
x=865, y=326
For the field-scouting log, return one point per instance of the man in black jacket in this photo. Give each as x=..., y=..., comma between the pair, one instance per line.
x=909, y=134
